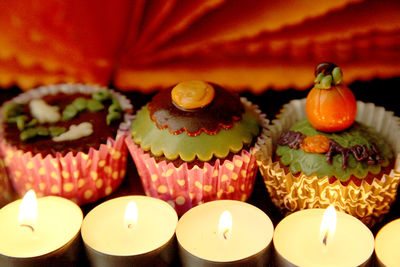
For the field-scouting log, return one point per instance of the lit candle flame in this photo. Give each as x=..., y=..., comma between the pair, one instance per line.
x=225, y=225
x=28, y=211
x=131, y=215
x=328, y=225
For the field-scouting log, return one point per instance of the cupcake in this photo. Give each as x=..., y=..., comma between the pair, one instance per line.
x=194, y=143
x=66, y=140
x=331, y=149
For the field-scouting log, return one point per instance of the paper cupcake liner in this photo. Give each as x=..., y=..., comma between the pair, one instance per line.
x=81, y=177
x=184, y=188
x=368, y=202
x=6, y=191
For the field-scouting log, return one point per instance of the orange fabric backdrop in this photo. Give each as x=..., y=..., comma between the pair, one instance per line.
x=144, y=45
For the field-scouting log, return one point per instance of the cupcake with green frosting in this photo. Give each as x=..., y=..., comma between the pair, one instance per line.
x=194, y=143
x=329, y=149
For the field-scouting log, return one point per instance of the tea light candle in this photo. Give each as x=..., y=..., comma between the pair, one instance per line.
x=224, y=233
x=387, y=243
x=301, y=240
x=39, y=232
x=130, y=230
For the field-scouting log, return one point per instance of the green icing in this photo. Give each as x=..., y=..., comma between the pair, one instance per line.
x=312, y=163
x=202, y=146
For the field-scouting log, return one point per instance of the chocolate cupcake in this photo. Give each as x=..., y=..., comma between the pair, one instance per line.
x=329, y=149
x=195, y=143
x=66, y=140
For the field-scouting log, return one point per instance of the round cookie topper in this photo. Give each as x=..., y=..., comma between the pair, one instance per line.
x=189, y=95
x=221, y=112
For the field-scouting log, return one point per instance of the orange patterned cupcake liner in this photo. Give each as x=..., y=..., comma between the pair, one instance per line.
x=81, y=177
x=289, y=192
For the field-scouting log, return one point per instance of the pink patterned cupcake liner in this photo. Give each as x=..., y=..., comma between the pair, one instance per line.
x=184, y=188
x=6, y=191
x=81, y=177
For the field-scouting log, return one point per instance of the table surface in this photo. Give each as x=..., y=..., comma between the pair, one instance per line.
x=380, y=92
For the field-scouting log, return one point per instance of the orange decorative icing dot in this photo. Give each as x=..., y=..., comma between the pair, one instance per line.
x=315, y=144
x=192, y=94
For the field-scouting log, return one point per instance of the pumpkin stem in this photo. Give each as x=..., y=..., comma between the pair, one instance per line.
x=327, y=75
x=337, y=75
x=326, y=68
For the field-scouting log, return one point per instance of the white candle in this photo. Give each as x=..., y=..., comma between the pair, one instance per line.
x=39, y=229
x=129, y=229
x=387, y=244
x=224, y=232
x=298, y=241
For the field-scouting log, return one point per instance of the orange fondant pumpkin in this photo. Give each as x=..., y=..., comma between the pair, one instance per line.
x=330, y=105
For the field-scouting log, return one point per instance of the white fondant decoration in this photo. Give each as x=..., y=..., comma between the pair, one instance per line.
x=43, y=112
x=75, y=132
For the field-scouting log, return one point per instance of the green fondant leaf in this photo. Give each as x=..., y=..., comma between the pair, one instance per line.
x=80, y=103
x=28, y=133
x=101, y=95
x=12, y=109
x=94, y=105
x=42, y=131
x=114, y=115
x=56, y=130
x=32, y=123
x=20, y=120
x=69, y=112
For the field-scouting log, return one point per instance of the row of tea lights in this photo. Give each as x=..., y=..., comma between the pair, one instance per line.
x=142, y=231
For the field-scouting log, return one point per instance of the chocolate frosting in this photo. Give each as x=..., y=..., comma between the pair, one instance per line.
x=45, y=145
x=222, y=112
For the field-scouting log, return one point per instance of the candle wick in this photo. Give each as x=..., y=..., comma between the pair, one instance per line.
x=325, y=239
x=131, y=225
x=225, y=234
x=28, y=226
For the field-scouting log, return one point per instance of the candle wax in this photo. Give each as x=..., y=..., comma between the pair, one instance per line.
x=58, y=222
x=387, y=244
x=104, y=229
x=197, y=231
x=297, y=240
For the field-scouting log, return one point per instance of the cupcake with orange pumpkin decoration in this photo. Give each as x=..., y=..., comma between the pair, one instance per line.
x=331, y=149
x=195, y=143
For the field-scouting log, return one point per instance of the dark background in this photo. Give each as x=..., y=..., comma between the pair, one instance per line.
x=381, y=92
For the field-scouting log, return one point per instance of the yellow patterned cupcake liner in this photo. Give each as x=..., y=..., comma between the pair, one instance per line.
x=289, y=192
